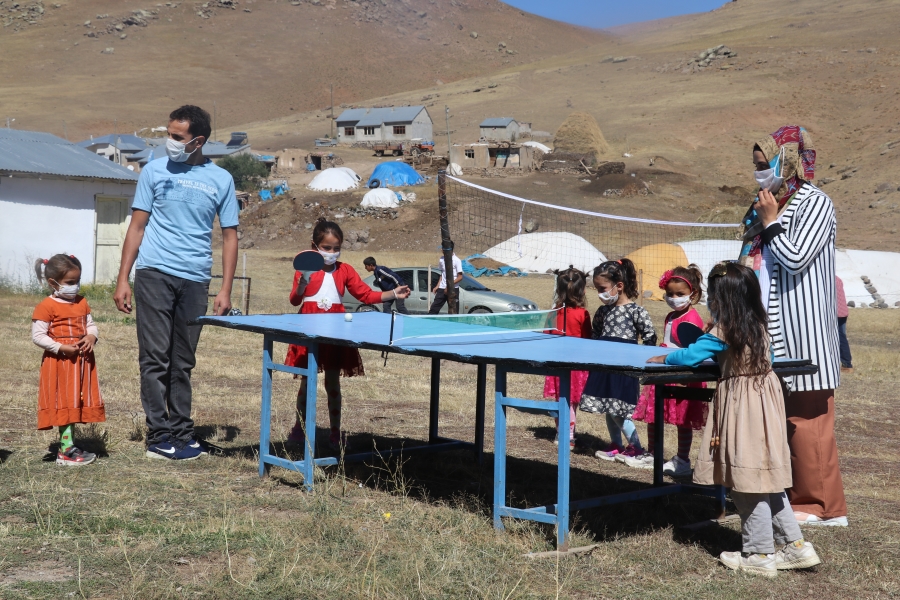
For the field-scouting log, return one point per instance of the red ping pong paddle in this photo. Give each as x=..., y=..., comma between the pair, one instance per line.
x=308, y=262
x=687, y=333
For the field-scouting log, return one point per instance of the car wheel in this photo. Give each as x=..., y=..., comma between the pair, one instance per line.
x=480, y=310
x=366, y=308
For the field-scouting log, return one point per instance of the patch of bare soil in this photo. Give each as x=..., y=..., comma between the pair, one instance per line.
x=41, y=572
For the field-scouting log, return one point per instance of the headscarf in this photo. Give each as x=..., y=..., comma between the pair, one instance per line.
x=798, y=167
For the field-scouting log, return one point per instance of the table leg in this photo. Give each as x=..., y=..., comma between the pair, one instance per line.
x=499, y=445
x=312, y=385
x=480, y=392
x=659, y=429
x=265, y=417
x=435, y=401
x=562, y=471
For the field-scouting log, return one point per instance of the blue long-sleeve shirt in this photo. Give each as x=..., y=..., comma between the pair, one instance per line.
x=386, y=279
x=706, y=347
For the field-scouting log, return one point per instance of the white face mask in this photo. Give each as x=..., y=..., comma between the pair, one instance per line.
x=607, y=299
x=175, y=150
x=679, y=302
x=768, y=179
x=330, y=257
x=67, y=292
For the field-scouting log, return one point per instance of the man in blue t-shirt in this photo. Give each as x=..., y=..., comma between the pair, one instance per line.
x=170, y=237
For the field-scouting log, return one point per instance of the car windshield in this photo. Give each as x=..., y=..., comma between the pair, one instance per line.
x=470, y=285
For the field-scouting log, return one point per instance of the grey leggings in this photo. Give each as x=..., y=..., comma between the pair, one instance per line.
x=766, y=520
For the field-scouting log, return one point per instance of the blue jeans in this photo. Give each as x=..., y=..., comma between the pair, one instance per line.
x=846, y=358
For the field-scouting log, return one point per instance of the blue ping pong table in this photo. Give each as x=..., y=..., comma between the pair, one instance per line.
x=510, y=352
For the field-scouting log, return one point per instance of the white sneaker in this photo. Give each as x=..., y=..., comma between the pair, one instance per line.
x=792, y=557
x=814, y=521
x=644, y=461
x=755, y=564
x=677, y=467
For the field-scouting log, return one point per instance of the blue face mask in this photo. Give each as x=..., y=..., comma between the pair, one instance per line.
x=772, y=178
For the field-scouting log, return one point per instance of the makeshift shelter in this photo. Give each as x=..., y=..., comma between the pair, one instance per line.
x=349, y=172
x=545, y=251
x=380, y=198
x=654, y=260
x=394, y=173
x=57, y=197
x=333, y=180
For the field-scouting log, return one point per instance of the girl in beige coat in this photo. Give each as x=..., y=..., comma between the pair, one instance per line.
x=744, y=445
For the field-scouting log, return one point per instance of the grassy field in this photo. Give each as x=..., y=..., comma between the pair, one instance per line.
x=410, y=527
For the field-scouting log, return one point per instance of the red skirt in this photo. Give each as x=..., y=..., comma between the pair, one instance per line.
x=681, y=413
x=331, y=358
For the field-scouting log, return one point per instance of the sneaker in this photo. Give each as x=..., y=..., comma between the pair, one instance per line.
x=630, y=451
x=755, y=564
x=75, y=457
x=609, y=452
x=571, y=442
x=200, y=445
x=337, y=442
x=170, y=451
x=797, y=557
x=296, y=436
x=814, y=521
x=677, y=467
x=643, y=461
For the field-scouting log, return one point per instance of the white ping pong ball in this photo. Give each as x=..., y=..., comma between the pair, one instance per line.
x=348, y=317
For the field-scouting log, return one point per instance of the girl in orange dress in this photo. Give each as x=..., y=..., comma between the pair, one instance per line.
x=322, y=294
x=62, y=325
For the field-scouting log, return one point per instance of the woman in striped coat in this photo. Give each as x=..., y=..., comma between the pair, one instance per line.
x=789, y=241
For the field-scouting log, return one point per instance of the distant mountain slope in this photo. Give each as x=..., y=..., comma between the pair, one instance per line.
x=93, y=61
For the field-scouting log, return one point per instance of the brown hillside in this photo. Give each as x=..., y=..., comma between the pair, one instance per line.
x=257, y=59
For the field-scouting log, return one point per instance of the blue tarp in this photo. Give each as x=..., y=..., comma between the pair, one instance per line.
x=265, y=195
x=395, y=173
x=280, y=189
x=469, y=268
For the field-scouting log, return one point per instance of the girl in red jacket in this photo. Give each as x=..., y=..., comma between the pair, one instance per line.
x=322, y=294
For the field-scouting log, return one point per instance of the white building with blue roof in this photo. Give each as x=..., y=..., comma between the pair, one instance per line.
x=57, y=197
x=390, y=124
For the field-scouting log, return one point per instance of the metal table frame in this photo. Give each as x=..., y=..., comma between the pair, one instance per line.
x=436, y=443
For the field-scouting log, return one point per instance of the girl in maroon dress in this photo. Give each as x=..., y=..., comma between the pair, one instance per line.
x=322, y=294
x=575, y=321
x=682, y=287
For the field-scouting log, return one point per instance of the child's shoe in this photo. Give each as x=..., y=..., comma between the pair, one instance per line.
x=338, y=442
x=75, y=457
x=297, y=437
x=610, y=452
x=755, y=564
x=677, y=467
x=642, y=461
x=797, y=557
x=571, y=441
x=630, y=451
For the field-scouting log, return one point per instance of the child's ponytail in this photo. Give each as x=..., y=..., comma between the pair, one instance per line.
x=39, y=269
x=55, y=267
x=570, y=286
x=620, y=271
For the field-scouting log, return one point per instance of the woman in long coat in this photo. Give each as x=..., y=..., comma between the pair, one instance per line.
x=789, y=241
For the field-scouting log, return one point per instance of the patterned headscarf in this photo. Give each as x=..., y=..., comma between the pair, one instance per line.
x=797, y=167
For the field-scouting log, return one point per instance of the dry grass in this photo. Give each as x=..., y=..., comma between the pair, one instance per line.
x=129, y=527
x=580, y=134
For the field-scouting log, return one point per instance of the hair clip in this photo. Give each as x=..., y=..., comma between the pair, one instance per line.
x=619, y=261
x=45, y=261
x=71, y=256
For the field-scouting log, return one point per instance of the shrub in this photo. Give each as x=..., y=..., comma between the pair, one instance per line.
x=246, y=170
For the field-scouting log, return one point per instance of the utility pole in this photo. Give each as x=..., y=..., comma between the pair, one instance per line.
x=8, y=121
x=447, y=118
x=332, y=111
x=116, y=147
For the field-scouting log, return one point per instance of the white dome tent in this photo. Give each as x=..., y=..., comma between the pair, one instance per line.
x=380, y=198
x=334, y=180
x=545, y=251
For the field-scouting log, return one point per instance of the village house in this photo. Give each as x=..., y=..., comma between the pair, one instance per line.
x=493, y=155
x=239, y=143
x=393, y=124
x=119, y=148
x=504, y=129
x=57, y=197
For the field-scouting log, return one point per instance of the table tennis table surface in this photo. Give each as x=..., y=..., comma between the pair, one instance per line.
x=468, y=343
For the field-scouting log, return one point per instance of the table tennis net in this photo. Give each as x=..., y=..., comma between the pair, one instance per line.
x=406, y=327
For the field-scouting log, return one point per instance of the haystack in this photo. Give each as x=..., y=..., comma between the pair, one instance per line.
x=580, y=134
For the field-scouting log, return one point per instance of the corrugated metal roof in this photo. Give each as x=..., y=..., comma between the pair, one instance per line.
x=497, y=122
x=211, y=150
x=45, y=154
x=373, y=117
x=126, y=142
